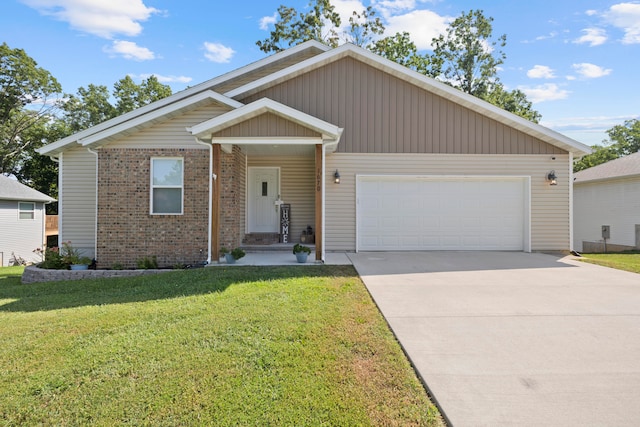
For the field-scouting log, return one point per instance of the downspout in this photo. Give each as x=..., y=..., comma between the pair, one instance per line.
x=58, y=161
x=95, y=223
x=324, y=230
x=571, y=202
x=210, y=196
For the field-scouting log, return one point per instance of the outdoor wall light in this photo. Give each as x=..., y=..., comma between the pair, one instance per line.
x=336, y=177
x=551, y=177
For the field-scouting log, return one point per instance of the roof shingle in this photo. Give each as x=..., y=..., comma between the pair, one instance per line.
x=623, y=167
x=10, y=189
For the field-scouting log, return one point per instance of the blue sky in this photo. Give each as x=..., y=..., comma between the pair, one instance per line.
x=577, y=60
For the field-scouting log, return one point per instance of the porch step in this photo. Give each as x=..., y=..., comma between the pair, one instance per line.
x=276, y=247
x=260, y=238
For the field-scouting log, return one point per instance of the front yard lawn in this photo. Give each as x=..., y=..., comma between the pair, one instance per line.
x=628, y=261
x=217, y=346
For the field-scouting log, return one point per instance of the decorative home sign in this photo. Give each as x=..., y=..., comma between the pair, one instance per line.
x=285, y=220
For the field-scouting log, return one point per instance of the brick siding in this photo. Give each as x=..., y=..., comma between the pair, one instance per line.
x=232, y=201
x=126, y=230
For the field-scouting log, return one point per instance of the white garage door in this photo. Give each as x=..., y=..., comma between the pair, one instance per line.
x=442, y=213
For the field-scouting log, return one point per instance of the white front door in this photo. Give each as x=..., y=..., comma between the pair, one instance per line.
x=264, y=189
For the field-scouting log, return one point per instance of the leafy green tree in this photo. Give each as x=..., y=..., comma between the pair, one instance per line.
x=293, y=27
x=624, y=140
x=28, y=97
x=514, y=101
x=468, y=54
x=130, y=95
x=401, y=49
x=89, y=107
x=363, y=28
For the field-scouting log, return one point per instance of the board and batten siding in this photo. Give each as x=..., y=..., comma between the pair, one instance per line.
x=549, y=204
x=266, y=125
x=77, y=208
x=614, y=202
x=381, y=113
x=296, y=188
x=172, y=132
x=20, y=236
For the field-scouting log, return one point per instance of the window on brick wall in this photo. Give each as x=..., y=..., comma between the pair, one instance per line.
x=167, y=190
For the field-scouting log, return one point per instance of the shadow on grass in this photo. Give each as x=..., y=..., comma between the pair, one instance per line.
x=60, y=295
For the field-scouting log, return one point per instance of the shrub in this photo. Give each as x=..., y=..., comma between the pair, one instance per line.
x=147, y=263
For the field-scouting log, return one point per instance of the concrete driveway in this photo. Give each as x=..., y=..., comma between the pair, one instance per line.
x=514, y=339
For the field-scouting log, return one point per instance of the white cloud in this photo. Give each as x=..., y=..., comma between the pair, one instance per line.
x=545, y=92
x=104, y=19
x=591, y=12
x=265, y=21
x=541, y=72
x=625, y=16
x=593, y=36
x=216, y=52
x=591, y=71
x=390, y=7
x=423, y=25
x=129, y=50
x=162, y=79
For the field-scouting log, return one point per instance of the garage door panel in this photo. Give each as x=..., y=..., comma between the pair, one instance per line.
x=433, y=213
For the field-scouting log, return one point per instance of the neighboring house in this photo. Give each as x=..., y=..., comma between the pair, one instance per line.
x=422, y=166
x=22, y=221
x=608, y=195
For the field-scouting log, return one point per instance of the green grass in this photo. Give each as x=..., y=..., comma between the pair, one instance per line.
x=629, y=261
x=218, y=346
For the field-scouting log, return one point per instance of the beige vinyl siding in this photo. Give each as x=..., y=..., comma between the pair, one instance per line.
x=172, y=132
x=270, y=68
x=77, y=209
x=549, y=204
x=381, y=113
x=296, y=188
x=265, y=126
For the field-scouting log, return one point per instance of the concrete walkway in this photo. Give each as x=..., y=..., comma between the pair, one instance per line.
x=515, y=339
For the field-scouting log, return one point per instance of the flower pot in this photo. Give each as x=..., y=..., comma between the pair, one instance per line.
x=229, y=258
x=79, y=267
x=302, y=257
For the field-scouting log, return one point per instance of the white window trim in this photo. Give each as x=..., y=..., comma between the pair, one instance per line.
x=152, y=187
x=32, y=211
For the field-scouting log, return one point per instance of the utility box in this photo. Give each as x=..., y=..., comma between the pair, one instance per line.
x=606, y=232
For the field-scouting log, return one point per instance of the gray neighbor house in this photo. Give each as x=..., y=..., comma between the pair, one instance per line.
x=22, y=221
x=421, y=166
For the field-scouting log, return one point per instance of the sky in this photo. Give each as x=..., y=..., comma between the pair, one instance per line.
x=577, y=61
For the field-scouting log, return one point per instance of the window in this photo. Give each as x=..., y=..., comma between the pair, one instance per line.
x=26, y=210
x=166, y=186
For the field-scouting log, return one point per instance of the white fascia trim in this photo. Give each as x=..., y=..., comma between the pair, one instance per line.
x=259, y=107
x=434, y=86
x=60, y=145
x=177, y=106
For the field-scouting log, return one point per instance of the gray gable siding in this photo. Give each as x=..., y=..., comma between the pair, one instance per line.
x=381, y=113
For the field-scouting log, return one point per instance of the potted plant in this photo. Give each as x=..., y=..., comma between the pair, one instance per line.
x=232, y=256
x=301, y=252
x=73, y=257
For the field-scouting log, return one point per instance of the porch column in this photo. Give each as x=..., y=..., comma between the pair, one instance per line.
x=319, y=209
x=215, y=202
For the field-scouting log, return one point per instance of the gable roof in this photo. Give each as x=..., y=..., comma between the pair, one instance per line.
x=10, y=189
x=57, y=147
x=623, y=167
x=348, y=50
x=262, y=106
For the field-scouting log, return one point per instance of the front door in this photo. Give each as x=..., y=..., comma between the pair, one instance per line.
x=264, y=190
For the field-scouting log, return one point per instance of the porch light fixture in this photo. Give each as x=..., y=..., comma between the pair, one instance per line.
x=336, y=177
x=551, y=177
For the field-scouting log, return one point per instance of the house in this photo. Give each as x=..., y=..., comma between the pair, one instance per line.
x=22, y=221
x=608, y=195
x=421, y=166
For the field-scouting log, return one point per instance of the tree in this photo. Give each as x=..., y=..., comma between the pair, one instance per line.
x=292, y=27
x=401, y=49
x=87, y=108
x=467, y=53
x=28, y=97
x=130, y=96
x=363, y=28
x=624, y=140
x=514, y=101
